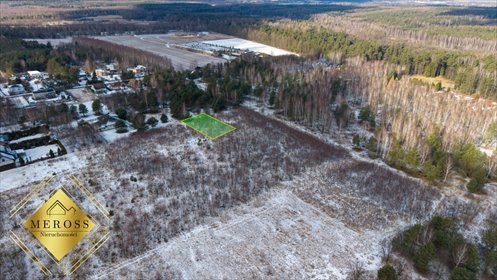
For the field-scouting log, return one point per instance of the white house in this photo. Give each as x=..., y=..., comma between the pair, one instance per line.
x=101, y=72
x=139, y=69
x=35, y=74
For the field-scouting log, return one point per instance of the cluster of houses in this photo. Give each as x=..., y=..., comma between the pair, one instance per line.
x=32, y=87
x=110, y=73
x=108, y=80
x=21, y=145
x=101, y=87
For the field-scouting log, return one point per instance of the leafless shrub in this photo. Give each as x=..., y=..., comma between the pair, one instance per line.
x=357, y=272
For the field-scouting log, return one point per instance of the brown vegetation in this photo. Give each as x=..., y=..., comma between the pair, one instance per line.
x=126, y=55
x=409, y=112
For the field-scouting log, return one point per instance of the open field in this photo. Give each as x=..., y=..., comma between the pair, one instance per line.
x=276, y=236
x=163, y=45
x=53, y=42
x=188, y=50
x=208, y=126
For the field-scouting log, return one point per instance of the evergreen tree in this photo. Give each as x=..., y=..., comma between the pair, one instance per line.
x=372, y=147
x=412, y=158
x=438, y=86
x=356, y=140
x=431, y=171
x=97, y=106
x=489, y=238
x=94, y=78
x=152, y=121
x=163, y=118
x=408, y=240
x=367, y=115
x=120, y=126
x=476, y=184
x=218, y=104
x=272, y=97
x=127, y=75
x=82, y=109
x=121, y=113
x=74, y=110
x=387, y=272
x=397, y=155
x=461, y=273
x=423, y=256
x=139, y=122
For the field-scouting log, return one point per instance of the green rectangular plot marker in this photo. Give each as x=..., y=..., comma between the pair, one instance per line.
x=208, y=126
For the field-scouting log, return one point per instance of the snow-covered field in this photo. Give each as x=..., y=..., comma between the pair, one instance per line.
x=19, y=101
x=276, y=236
x=53, y=42
x=111, y=135
x=30, y=174
x=30, y=137
x=246, y=45
x=290, y=222
x=41, y=151
x=185, y=51
x=162, y=45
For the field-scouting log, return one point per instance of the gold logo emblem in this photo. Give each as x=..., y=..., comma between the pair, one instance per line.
x=67, y=235
x=59, y=224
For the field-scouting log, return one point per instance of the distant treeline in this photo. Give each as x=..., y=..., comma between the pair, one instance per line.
x=473, y=11
x=154, y=12
x=164, y=17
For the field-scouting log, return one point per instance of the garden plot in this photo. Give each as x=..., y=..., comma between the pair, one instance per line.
x=41, y=152
x=208, y=126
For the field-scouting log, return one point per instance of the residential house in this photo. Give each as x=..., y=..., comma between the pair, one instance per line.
x=82, y=75
x=99, y=88
x=100, y=72
x=35, y=74
x=111, y=69
x=44, y=94
x=118, y=86
x=139, y=69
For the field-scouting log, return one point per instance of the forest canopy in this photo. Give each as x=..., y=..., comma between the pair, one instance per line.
x=471, y=74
